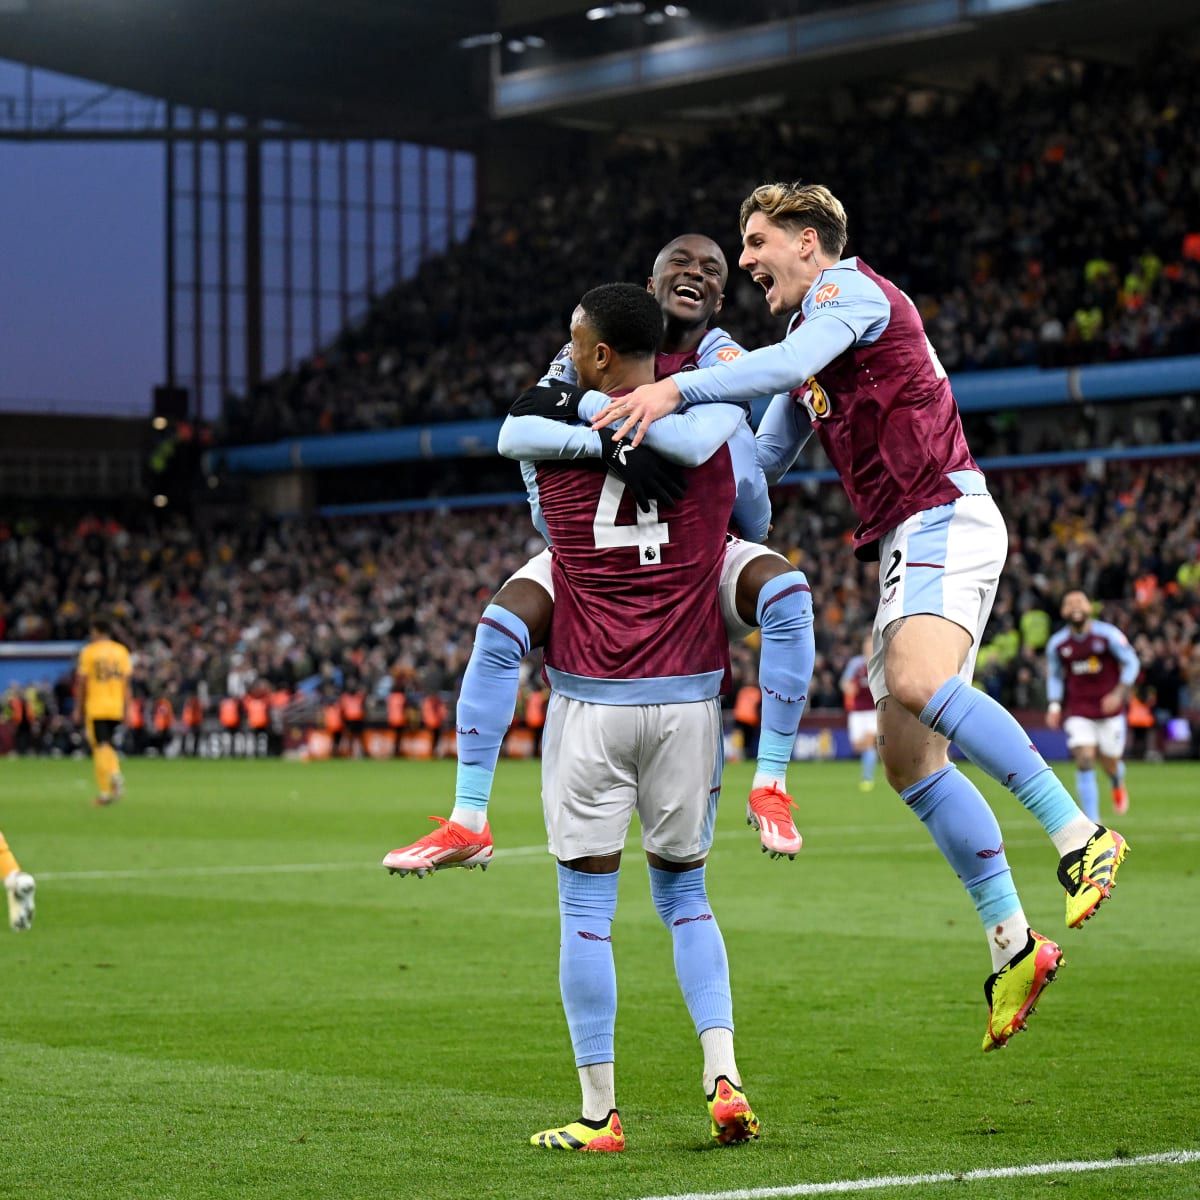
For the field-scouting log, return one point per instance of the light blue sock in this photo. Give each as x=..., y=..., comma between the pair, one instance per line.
x=1119, y=778
x=989, y=736
x=587, y=976
x=868, y=765
x=1088, y=792
x=701, y=965
x=958, y=817
x=785, y=667
x=487, y=702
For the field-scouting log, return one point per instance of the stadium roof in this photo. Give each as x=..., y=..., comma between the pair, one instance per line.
x=394, y=68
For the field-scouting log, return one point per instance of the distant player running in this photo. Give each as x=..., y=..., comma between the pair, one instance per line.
x=861, y=722
x=857, y=367
x=759, y=588
x=19, y=888
x=1090, y=669
x=103, y=681
x=636, y=656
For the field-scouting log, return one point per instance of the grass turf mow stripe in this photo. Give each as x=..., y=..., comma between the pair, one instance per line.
x=877, y=1182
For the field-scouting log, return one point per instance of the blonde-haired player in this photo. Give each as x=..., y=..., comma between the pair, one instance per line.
x=856, y=368
x=104, y=674
x=19, y=885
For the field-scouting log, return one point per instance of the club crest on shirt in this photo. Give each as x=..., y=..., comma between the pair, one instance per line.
x=816, y=399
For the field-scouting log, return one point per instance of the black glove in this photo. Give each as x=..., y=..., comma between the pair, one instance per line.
x=646, y=473
x=558, y=401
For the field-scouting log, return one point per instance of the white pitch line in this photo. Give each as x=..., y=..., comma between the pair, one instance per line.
x=877, y=1182
x=184, y=872
x=517, y=853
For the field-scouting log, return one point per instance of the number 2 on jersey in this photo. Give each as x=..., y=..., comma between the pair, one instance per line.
x=648, y=535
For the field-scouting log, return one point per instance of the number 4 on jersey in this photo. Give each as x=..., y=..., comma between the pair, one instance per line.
x=649, y=534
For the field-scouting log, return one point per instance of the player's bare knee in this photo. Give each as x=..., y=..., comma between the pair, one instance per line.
x=531, y=603
x=754, y=576
x=1085, y=758
x=912, y=688
x=902, y=769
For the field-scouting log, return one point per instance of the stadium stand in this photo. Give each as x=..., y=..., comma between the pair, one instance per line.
x=1019, y=242
x=306, y=612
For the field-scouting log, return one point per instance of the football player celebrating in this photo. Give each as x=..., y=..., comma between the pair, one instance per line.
x=758, y=587
x=857, y=367
x=637, y=655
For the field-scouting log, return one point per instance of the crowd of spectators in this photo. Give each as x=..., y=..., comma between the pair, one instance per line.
x=1045, y=220
x=374, y=606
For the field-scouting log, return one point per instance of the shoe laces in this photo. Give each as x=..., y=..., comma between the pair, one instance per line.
x=448, y=833
x=774, y=803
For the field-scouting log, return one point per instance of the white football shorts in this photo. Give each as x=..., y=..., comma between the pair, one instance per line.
x=600, y=762
x=738, y=554
x=1107, y=735
x=537, y=570
x=862, y=723
x=945, y=561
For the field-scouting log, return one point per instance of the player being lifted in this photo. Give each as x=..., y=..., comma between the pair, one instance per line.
x=857, y=367
x=1090, y=668
x=19, y=887
x=758, y=587
x=637, y=655
x=103, y=696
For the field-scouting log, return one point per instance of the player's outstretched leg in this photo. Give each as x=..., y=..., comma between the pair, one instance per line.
x=486, y=704
x=19, y=886
x=588, y=982
x=1089, y=854
x=702, y=968
x=963, y=826
x=780, y=601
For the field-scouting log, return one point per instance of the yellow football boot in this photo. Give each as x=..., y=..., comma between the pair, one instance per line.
x=584, y=1135
x=1090, y=874
x=733, y=1119
x=1013, y=990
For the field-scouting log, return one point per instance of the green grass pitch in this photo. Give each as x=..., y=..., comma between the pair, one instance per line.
x=224, y=996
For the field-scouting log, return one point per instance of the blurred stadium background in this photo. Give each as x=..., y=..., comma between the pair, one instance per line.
x=375, y=227
x=375, y=220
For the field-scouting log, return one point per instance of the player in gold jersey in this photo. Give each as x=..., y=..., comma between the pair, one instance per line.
x=104, y=676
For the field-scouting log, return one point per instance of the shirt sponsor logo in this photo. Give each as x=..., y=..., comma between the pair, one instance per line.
x=729, y=353
x=827, y=293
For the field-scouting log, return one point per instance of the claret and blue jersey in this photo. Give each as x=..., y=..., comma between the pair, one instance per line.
x=857, y=368
x=626, y=582
x=1082, y=670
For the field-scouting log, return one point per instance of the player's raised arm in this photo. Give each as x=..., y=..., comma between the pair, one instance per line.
x=689, y=438
x=779, y=368
x=534, y=438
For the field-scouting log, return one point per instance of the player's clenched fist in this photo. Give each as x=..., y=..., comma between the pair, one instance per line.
x=558, y=401
x=648, y=475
